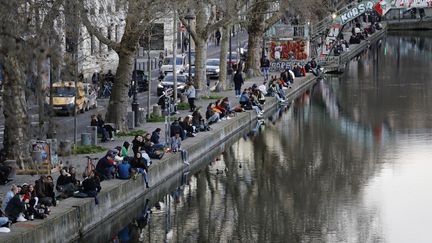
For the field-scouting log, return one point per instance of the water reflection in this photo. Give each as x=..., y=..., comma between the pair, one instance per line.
x=348, y=161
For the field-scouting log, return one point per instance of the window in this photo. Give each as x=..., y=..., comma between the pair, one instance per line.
x=101, y=10
x=109, y=30
x=92, y=45
x=100, y=44
x=156, y=38
x=116, y=33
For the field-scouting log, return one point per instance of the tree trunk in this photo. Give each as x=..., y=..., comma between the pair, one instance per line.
x=16, y=139
x=224, y=83
x=119, y=100
x=253, y=55
x=200, y=59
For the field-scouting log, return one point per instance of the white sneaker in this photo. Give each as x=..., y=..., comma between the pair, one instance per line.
x=186, y=163
x=4, y=230
x=223, y=118
x=228, y=118
x=21, y=218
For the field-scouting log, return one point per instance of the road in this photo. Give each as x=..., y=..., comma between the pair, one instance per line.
x=64, y=125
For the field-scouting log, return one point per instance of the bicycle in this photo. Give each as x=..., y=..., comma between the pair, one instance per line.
x=90, y=167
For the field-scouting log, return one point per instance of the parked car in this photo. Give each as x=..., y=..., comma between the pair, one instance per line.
x=64, y=97
x=212, y=68
x=181, y=64
x=186, y=72
x=142, y=84
x=168, y=82
x=234, y=58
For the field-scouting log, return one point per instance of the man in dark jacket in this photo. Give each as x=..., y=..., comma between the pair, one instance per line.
x=14, y=208
x=105, y=165
x=238, y=82
x=176, y=128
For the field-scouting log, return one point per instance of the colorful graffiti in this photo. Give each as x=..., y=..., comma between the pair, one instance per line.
x=288, y=50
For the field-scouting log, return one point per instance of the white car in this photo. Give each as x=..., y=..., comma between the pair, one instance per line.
x=212, y=67
x=167, y=65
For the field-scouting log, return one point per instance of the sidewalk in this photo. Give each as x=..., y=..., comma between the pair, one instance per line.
x=79, y=161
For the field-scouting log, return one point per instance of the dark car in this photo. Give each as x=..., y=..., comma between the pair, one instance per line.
x=168, y=82
x=142, y=80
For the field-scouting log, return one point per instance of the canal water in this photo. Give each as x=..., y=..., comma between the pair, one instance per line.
x=349, y=161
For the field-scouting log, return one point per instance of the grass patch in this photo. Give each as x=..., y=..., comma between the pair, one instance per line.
x=182, y=106
x=154, y=118
x=88, y=149
x=212, y=97
x=132, y=133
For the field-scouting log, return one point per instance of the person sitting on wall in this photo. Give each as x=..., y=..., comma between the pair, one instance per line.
x=90, y=188
x=187, y=126
x=199, y=122
x=154, y=151
x=140, y=165
x=123, y=169
x=44, y=188
x=16, y=209
x=105, y=166
x=155, y=137
x=66, y=184
x=175, y=127
x=211, y=116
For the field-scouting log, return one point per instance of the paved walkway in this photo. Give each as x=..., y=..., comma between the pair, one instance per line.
x=79, y=161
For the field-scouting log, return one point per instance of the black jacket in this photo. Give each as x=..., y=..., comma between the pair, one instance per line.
x=238, y=79
x=155, y=138
x=91, y=185
x=14, y=208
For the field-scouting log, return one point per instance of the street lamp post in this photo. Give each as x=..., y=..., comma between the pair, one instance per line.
x=189, y=17
x=135, y=104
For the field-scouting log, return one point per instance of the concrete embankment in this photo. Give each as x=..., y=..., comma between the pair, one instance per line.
x=76, y=217
x=408, y=24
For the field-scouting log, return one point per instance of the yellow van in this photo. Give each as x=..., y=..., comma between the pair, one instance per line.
x=64, y=97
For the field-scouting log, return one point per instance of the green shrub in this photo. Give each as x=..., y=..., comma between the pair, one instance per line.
x=88, y=149
x=154, y=118
x=132, y=133
x=182, y=106
x=212, y=97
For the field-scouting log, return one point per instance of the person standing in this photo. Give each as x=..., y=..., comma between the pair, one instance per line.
x=238, y=82
x=191, y=95
x=218, y=37
x=265, y=65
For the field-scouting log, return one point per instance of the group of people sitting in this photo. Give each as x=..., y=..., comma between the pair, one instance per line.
x=27, y=202
x=358, y=34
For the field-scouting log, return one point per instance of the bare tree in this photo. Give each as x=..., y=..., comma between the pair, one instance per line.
x=205, y=23
x=256, y=25
x=140, y=13
x=24, y=40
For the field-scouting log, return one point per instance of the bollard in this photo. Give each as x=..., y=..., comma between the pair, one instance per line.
x=93, y=134
x=157, y=111
x=85, y=138
x=141, y=116
x=130, y=119
x=65, y=148
x=13, y=165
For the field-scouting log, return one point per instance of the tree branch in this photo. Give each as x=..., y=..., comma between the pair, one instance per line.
x=94, y=31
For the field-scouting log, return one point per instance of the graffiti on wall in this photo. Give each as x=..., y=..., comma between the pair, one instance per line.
x=288, y=50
